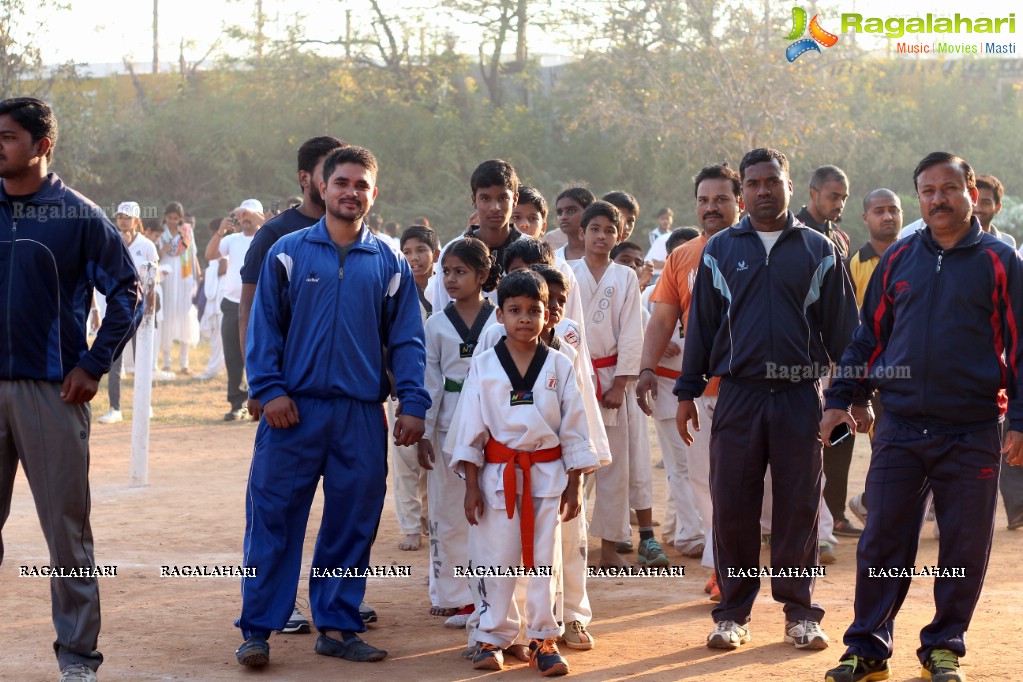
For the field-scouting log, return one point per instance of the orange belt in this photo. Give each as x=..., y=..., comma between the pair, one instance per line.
x=499, y=453
x=600, y=363
x=667, y=373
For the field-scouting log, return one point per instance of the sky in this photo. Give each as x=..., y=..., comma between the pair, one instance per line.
x=102, y=31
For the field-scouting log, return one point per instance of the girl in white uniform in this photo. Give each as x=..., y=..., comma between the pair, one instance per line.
x=451, y=338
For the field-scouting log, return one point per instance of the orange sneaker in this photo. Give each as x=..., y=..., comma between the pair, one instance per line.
x=714, y=591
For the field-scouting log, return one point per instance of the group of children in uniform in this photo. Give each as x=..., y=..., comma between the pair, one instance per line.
x=530, y=365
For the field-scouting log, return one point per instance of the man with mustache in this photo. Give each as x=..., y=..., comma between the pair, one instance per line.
x=329, y=301
x=948, y=292
x=771, y=307
x=718, y=206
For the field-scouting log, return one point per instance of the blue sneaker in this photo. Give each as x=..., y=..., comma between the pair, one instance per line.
x=254, y=652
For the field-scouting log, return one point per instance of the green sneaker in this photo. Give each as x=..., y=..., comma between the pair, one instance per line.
x=854, y=668
x=942, y=666
x=651, y=555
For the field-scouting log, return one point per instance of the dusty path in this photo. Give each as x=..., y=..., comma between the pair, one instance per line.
x=193, y=513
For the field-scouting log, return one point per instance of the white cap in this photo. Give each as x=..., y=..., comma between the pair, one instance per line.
x=129, y=208
x=253, y=205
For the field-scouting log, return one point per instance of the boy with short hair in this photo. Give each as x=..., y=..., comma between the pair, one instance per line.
x=421, y=248
x=495, y=192
x=630, y=255
x=520, y=408
x=629, y=207
x=614, y=335
x=530, y=215
x=564, y=335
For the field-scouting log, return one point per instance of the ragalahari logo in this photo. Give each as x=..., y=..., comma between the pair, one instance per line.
x=818, y=35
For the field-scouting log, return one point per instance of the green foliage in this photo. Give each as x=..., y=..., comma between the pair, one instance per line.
x=660, y=88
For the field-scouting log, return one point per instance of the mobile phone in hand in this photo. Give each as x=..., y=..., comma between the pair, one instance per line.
x=839, y=434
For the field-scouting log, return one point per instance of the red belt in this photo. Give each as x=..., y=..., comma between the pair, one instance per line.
x=600, y=363
x=498, y=453
x=667, y=373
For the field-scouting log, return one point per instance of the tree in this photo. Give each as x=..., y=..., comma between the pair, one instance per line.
x=22, y=70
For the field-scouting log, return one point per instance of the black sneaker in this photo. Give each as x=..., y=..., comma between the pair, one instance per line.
x=845, y=528
x=353, y=649
x=854, y=668
x=367, y=613
x=488, y=657
x=942, y=666
x=254, y=652
x=241, y=414
x=545, y=657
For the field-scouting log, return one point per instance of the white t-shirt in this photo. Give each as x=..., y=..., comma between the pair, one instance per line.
x=658, y=252
x=769, y=239
x=233, y=247
x=911, y=228
x=143, y=251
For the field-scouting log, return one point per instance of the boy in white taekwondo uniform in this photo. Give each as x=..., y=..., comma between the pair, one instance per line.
x=519, y=436
x=450, y=346
x=614, y=335
x=562, y=334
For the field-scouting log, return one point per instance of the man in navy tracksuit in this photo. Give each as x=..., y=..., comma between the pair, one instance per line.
x=771, y=306
x=330, y=299
x=55, y=247
x=944, y=307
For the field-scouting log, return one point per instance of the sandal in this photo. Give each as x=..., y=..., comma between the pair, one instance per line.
x=444, y=611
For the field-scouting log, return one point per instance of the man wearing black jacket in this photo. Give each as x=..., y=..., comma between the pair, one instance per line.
x=57, y=246
x=772, y=306
x=939, y=342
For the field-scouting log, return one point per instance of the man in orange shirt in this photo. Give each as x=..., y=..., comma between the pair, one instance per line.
x=718, y=206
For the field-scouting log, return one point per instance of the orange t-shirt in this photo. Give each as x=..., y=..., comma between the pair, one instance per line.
x=675, y=287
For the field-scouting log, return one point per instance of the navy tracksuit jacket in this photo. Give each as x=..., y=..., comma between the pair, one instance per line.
x=769, y=325
x=950, y=319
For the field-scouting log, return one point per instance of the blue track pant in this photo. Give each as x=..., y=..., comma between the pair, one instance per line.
x=345, y=442
x=962, y=471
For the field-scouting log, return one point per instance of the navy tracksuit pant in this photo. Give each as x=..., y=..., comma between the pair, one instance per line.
x=757, y=423
x=961, y=470
x=343, y=441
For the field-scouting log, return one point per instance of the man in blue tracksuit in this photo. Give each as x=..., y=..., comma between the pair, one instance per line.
x=938, y=339
x=772, y=305
x=332, y=303
x=56, y=246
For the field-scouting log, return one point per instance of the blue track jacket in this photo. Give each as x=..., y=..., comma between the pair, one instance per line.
x=319, y=330
x=757, y=318
x=52, y=255
x=950, y=318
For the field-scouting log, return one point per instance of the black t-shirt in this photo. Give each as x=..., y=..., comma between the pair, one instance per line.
x=18, y=202
x=287, y=222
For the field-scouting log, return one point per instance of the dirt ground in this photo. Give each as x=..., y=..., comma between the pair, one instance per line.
x=192, y=512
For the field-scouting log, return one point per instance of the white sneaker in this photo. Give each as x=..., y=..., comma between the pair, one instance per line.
x=728, y=634
x=806, y=634
x=77, y=672
x=164, y=375
x=111, y=417
x=858, y=509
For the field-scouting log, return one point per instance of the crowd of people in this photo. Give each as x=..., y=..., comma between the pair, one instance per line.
x=516, y=375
